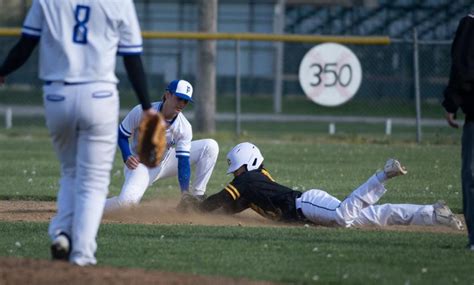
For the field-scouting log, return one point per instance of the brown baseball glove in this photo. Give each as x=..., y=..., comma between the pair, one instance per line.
x=151, y=139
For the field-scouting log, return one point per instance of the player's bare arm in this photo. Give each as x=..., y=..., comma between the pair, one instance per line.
x=451, y=119
x=132, y=162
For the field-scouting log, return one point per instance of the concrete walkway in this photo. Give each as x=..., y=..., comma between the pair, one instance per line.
x=32, y=111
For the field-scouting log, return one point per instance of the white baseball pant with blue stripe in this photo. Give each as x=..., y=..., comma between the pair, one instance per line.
x=82, y=120
x=358, y=208
x=203, y=156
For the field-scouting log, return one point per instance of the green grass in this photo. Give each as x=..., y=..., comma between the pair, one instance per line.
x=29, y=169
x=345, y=132
x=296, y=157
x=290, y=255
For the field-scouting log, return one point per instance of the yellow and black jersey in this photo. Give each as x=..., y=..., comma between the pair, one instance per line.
x=257, y=190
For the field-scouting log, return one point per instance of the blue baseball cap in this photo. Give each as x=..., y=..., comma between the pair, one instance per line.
x=181, y=88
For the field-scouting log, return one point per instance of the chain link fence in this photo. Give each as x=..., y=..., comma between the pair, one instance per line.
x=386, y=95
x=387, y=89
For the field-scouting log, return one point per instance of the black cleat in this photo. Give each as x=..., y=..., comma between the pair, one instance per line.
x=61, y=247
x=201, y=198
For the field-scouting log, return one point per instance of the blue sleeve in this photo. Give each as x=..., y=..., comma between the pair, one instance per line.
x=184, y=172
x=123, y=145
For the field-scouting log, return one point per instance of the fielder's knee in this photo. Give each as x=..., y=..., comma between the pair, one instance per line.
x=127, y=201
x=211, y=148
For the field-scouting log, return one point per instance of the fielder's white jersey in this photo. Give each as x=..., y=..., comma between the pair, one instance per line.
x=178, y=134
x=79, y=42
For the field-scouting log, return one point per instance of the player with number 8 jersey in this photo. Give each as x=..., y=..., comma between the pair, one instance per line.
x=86, y=51
x=79, y=43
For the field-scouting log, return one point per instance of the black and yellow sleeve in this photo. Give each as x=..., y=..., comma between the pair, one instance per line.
x=267, y=174
x=232, y=190
x=222, y=199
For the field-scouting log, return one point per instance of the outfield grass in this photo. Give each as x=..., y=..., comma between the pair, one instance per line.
x=296, y=158
x=29, y=169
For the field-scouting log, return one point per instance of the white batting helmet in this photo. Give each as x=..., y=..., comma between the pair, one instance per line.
x=244, y=154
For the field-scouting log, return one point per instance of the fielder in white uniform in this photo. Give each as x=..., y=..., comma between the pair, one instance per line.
x=180, y=155
x=79, y=41
x=253, y=187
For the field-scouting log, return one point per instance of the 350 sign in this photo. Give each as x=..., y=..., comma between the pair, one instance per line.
x=330, y=74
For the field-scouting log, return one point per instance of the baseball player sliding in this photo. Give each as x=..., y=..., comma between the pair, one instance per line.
x=181, y=152
x=79, y=43
x=253, y=187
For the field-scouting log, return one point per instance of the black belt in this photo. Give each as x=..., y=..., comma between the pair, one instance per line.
x=300, y=215
x=299, y=212
x=64, y=82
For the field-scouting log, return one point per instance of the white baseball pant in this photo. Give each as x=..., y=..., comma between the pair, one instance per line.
x=358, y=208
x=82, y=120
x=203, y=156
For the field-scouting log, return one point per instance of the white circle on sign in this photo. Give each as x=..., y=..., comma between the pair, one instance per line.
x=330, y=74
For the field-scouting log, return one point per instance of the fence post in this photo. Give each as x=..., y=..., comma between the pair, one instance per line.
x=332, y=128
x=279, y=28
x=388, y=127
x=237, y=88
x=416, y=75
x=8, y=118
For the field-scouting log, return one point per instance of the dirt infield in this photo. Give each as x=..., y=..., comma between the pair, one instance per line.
x=15, y=271
x=29, y=271
x=160, y=212
x=163, y=212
